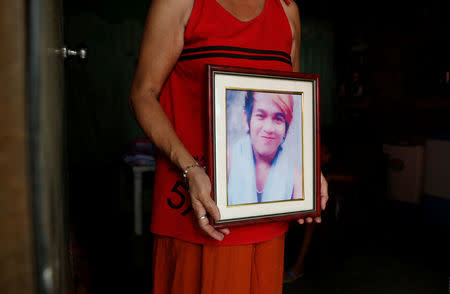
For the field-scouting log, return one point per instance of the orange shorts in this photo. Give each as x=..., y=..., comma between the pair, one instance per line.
x=181, y=267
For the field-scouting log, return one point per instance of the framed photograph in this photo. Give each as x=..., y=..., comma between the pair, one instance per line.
x=264, y=150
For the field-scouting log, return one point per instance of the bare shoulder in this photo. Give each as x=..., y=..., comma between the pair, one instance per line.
x=290, y=6
x=292, y=13
x=177, y=10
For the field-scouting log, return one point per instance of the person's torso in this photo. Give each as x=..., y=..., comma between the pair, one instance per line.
x=213, y=36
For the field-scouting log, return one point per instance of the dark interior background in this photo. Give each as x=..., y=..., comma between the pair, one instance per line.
x=400, y=51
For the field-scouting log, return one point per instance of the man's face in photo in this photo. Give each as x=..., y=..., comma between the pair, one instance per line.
x=267, y=125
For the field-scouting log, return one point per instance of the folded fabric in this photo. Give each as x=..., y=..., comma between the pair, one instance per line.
x=139, y=159
x=143, y=146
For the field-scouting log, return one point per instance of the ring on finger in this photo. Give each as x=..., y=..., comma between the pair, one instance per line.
x=202, y=217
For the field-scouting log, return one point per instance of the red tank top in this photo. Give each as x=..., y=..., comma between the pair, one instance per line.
x=212, y=36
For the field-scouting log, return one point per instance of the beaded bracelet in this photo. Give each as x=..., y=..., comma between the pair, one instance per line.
x=185, y=171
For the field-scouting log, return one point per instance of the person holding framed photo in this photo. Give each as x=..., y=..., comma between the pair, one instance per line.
x=168, y=99
x=259, y=168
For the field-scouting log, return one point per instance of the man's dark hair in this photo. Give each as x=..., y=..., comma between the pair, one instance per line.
x=248, y=105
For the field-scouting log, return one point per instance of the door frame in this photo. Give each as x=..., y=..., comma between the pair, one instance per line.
x=48, y=200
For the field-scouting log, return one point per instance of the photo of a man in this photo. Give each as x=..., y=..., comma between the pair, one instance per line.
x=264, y=148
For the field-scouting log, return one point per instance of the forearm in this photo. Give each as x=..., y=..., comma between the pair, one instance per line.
x=156, y=125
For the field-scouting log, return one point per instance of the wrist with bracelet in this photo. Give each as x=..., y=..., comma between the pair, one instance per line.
x=186, y=169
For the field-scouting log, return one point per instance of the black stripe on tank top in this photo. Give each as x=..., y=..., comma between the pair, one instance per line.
x=235, y=49
x=234, y=55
